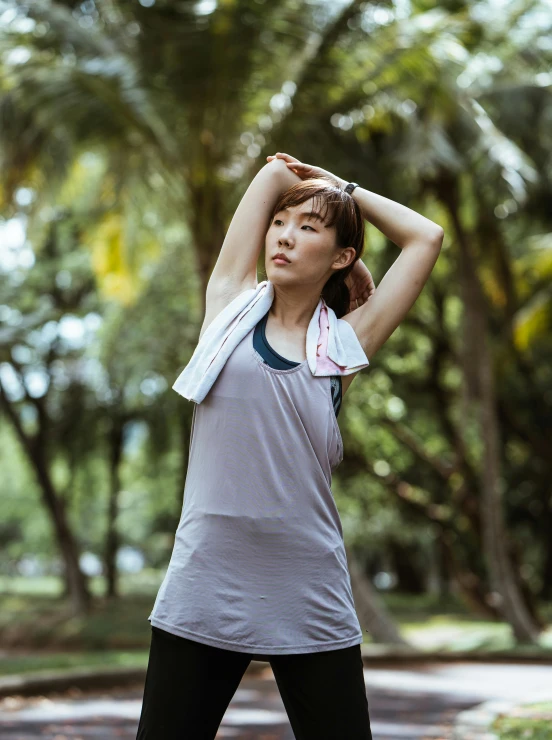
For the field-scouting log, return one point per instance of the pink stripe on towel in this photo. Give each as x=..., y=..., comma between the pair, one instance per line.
x=323, y=362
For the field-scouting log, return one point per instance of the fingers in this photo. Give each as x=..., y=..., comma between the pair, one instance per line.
x=282, y=155
x=287, y=157
x=358, y=301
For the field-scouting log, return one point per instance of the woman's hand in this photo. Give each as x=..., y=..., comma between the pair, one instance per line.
x=361, y=285
x=306, y=171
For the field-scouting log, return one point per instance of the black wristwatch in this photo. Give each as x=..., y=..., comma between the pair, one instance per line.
x=350, y=187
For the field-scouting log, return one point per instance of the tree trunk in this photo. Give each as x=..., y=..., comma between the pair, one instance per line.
x=437, y=577
x=112, y=535
x=468, y=584
x=409, y=574
x=76, y=583
x=506, y=595
x=76, y=580
x=546, y=589
x=372, y=613
x=207, y=226
x=516, y=556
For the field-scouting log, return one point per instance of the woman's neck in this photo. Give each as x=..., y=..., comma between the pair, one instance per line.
x=291, y=311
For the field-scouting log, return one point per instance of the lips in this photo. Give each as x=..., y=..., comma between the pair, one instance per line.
x=281, y=257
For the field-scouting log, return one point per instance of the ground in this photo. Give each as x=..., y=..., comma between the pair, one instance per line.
x=411, y=702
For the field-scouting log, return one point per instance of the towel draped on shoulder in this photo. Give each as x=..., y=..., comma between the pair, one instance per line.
x=332, y=346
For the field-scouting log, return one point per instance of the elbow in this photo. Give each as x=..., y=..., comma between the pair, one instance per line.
x=281, y=173
x=430, y=238
x=436, y=237
x=276, y=166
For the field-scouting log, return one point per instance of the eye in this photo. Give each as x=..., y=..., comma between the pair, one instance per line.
x=277, y=220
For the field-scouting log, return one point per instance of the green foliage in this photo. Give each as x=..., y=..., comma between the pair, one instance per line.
x=124, y=157
x=35, y=662
x=529, y=721
x=41, y=621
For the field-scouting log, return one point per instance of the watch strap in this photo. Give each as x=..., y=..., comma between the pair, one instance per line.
x=350, y=187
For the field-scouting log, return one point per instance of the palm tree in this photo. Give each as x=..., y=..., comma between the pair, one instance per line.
x=177, y=105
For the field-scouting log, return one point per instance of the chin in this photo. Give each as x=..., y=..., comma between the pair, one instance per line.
x=275, y=276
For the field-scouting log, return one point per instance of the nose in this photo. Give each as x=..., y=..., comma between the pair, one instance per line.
x=284, y=238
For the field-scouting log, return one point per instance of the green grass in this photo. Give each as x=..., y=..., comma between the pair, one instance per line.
x=445, y=625
x=527, y=722
x=146, y=584
x=36, y=662
x=40, y=622
x=38, y=631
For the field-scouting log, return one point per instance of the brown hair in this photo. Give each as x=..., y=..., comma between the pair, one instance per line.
x=344, y=212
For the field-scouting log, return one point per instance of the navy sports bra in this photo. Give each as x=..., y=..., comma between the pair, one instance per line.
x=272, y=358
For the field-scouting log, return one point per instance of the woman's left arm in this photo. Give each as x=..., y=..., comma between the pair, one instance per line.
x=400, y=224
x=420, y=241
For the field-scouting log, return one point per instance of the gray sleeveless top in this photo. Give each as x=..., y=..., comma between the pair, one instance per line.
x=259, y=564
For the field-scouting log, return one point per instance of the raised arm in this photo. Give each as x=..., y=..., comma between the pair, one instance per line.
x=420, y=241
x=236, y=265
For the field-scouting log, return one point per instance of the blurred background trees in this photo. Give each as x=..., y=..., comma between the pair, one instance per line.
x=129, y=132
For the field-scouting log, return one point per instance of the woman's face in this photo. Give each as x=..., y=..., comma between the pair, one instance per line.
x=306, y=241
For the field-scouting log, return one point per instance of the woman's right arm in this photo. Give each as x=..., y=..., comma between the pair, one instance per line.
x=236, y=265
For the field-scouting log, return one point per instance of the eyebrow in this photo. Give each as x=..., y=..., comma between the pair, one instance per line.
x=309, y=214
x=314, y=214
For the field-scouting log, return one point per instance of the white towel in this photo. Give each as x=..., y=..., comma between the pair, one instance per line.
x=332, y=348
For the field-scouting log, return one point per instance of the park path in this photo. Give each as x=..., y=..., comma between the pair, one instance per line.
x=410, y=702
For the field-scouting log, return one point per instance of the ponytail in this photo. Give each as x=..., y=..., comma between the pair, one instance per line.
x=336, y=293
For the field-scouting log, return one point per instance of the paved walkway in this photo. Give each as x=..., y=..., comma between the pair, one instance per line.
x=413, y=702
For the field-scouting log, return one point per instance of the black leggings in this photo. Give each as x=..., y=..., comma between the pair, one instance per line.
x=189, y=686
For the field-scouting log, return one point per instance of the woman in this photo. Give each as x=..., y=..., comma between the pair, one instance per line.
x=258, y=569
